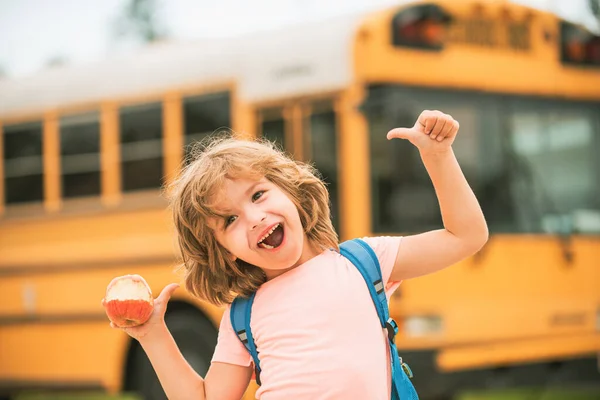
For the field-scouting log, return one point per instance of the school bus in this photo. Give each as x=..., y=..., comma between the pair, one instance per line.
x=86, y=150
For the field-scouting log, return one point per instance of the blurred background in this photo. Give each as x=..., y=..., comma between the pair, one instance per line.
x=101, y=102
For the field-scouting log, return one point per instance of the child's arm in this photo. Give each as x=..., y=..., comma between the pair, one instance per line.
x=177, y=377
x=227, y=381
x=465, y=227
x=180, y=381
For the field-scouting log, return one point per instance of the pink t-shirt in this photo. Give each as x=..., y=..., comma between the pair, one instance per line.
x=317, y=332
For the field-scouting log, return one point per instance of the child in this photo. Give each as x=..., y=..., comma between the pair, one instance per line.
x=248, y=218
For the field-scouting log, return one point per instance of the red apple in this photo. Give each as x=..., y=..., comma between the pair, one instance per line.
x=128, y=301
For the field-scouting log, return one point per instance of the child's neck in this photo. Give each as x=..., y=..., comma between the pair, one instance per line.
x=308, y=253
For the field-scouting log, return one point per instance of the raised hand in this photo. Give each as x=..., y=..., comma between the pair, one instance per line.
x=157, y=319
x=433, y=132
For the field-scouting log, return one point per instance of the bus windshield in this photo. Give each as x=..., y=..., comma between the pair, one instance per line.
x=530, y=161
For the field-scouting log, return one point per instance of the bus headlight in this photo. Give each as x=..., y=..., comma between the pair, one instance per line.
x=423, y=325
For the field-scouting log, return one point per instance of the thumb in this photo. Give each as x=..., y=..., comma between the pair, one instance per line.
x=400, y=133
x=167, y=292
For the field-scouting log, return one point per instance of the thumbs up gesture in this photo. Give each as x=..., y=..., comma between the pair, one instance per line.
x=434, y=132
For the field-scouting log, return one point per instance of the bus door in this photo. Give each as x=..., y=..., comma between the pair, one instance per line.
x=533, y=167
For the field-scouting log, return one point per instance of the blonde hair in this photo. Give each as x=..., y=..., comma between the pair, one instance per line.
x=210, y=272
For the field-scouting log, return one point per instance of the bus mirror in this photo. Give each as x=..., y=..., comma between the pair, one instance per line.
x=579, y=46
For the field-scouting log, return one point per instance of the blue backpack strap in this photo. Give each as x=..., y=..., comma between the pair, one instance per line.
x=365, y=260
x=241, y=310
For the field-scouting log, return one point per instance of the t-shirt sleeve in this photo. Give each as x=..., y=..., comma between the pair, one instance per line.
x=386, y=249
x=229, y=348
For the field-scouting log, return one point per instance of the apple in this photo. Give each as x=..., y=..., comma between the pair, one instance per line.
x=128, y=301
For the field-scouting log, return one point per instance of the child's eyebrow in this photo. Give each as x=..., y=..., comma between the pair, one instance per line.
x=223, y=212
x=251, y=188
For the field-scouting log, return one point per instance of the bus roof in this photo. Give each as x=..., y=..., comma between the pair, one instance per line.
x=269, y=64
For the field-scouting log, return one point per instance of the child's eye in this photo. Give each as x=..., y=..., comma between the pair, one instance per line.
x=257, y=195
x=229, y=220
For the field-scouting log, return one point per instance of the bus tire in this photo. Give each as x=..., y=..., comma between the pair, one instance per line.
x=196, y=337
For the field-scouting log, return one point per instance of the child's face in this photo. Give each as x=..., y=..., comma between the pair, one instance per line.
x=261, y=226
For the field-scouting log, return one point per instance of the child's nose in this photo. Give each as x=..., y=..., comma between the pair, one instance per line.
x=258, y=222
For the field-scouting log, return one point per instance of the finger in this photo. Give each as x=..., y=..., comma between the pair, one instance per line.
x=167, y=292
x=439, y=127
x=455, y=127
x=399, y=133
x=447, y=131
x=427, y=120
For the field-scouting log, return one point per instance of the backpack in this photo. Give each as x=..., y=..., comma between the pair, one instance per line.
x=365, y=260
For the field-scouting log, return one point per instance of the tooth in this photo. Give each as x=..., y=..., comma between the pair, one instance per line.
x=268, y=233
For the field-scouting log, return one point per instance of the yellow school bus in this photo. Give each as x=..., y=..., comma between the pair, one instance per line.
x=86, y=149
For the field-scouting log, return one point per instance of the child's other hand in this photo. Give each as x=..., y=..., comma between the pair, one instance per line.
x=434, y=132
x=156, y=320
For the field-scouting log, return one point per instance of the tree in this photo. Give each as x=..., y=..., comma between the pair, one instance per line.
x=56, y=61
x=595, y=8
x=139, y=21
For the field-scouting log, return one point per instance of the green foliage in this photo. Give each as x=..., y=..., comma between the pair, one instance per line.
x=139, y=19
x=595, y=8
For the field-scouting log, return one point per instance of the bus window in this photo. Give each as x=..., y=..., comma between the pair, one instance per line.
x=530, y=163
x=23, y=166
x=403, y=197
x=80, y=155
x=555, y=148
x=141, y=146
x=273, y=126
x=205, y=115
x=322, y=137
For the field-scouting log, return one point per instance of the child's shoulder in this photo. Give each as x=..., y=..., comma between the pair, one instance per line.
x=383, y=246
x=381, y=242
x=386, y=250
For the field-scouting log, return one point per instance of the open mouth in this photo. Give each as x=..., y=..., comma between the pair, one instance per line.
x=272, y=239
